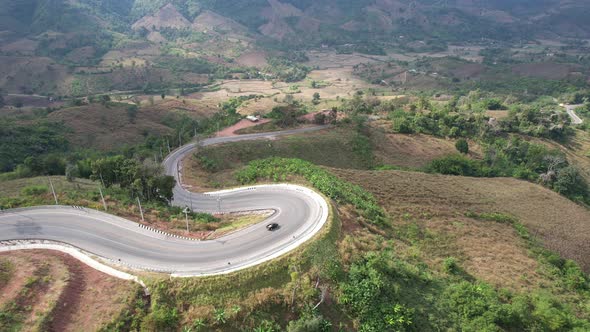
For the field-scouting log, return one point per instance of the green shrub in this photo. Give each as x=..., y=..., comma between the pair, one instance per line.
x=462, y=146
x=6, y=270
x=309, y=324
x=34, y=190
x=370, y=293
x=457, y=165
x=209, y=164
x=450, y=265
x=161, y=319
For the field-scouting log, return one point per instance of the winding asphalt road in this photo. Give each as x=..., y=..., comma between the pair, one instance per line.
x=299, y=211
x=571, y=112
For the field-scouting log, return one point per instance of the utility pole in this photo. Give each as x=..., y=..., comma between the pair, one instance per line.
x=218, y=204
x=104, y=204
x=140, y=209
x=101, y=180
x=186, y=217
x=191, y=198
x=52, y=190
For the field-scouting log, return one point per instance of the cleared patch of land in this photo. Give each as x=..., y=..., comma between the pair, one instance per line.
x=331, y=84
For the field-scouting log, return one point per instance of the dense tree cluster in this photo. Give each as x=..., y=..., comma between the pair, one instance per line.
x=286, y=116
x=285, y=69
x=144, y=180
x=19, y=142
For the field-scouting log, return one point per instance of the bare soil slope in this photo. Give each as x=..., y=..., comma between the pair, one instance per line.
x=69, y=295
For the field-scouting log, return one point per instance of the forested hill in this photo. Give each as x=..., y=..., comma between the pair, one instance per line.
x=323, y=21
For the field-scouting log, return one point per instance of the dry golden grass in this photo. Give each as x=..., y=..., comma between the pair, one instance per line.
x=413, y=151
x=258, y=106
x=497, y=114
x=560, y=224
x=490, y=251
x=578, y=152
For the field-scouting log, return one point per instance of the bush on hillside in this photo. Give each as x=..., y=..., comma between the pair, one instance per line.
x=277, y=169
x=462, y=146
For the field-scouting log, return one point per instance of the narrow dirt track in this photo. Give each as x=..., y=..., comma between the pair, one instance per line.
x=69, y=299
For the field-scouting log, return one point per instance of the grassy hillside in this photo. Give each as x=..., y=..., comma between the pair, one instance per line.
x=560, y=224
x=449, y=243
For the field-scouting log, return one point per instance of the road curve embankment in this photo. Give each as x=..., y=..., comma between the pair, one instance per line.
x=300, y=212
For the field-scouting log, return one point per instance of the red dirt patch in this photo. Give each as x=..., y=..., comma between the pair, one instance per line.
x=16, y=282
x=244, y=123
x=89, y=300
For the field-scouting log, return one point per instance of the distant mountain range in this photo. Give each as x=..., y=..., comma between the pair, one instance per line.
x=312, y=21
x=75, y=47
